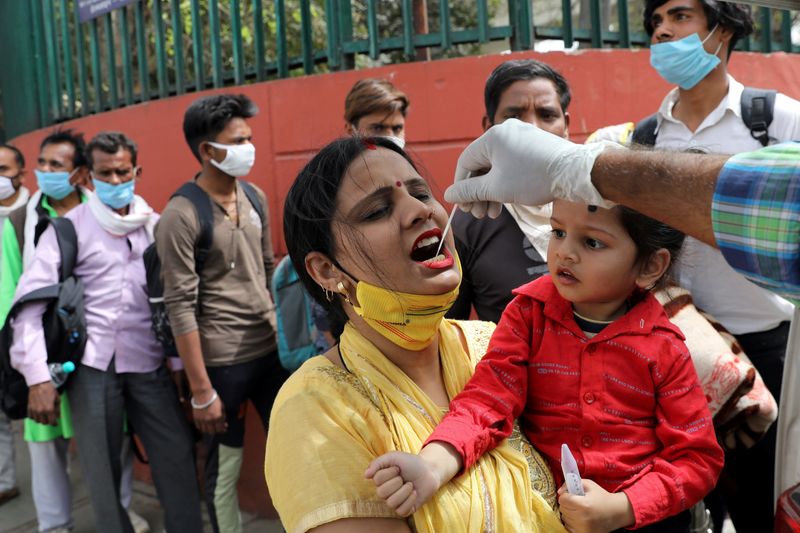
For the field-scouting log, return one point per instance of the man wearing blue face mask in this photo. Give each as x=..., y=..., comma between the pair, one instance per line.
x=122, y=372
x=691, y=43
x=60, y=171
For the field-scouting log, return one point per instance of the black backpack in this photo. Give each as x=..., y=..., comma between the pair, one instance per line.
x=64, y=320
x=152, y=264
x=757, y=110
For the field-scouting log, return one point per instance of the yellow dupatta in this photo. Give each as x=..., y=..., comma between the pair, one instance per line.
x=495, y=494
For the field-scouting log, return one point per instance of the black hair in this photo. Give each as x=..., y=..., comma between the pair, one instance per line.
x=18, y=157
x=206, y=117
x=521, y=70
x=310, y=209
x=110, y=142
x=649, y=235
x=69, y=136
x=737, y=18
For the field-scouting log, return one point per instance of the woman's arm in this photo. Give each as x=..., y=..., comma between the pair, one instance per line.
x=364, y=525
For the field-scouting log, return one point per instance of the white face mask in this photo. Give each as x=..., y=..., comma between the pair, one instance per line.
x=7, y=188
x=239, y=159
x=397, y=140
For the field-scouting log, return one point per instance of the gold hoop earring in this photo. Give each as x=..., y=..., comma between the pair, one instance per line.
x=343, y=292
x=328, y=294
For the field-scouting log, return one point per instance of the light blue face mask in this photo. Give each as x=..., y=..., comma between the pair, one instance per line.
x=56, y=185
x=684, y=62
x=114, y=196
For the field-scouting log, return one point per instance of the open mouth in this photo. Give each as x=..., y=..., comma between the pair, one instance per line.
x=564, y=274
x=425, y=247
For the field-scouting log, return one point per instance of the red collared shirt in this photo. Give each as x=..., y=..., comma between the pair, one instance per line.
x=627, y=401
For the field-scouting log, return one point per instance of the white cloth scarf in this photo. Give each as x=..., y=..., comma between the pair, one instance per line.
x=29, y=230
x=534, y=221
x=139, y=214
x=20, y=201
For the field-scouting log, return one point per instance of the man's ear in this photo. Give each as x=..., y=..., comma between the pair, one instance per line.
x=21, y=177
x=206, y=152
x=81, y=177
x=349, y=128
x=486, y=123
x=725, y=36
x=653, y=269
x=566, y=125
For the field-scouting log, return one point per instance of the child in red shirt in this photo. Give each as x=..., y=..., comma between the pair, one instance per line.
x=587, y=357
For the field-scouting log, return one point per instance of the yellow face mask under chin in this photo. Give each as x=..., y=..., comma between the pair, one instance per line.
x=408, y=320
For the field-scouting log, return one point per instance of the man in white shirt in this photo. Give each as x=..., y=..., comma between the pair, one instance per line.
x=691, y=42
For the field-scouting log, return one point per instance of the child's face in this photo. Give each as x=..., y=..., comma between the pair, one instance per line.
x=591, y=259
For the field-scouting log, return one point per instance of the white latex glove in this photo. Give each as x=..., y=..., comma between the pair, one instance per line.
x=527, y=166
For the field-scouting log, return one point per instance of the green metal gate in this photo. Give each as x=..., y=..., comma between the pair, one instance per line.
x=54, y=68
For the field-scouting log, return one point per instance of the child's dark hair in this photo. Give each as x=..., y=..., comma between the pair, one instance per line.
x=310, y=210
x=649, y=235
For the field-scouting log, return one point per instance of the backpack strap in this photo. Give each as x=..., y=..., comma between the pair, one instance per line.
x=644, y=133
x=252, y=196
x=205, y=217
x=67, y=242
x=757, y=110
x=49, y=292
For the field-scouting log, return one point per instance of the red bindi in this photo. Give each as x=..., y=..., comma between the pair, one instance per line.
x=398, y=183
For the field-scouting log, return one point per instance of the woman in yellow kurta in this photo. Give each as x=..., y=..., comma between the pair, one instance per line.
x=363, y=230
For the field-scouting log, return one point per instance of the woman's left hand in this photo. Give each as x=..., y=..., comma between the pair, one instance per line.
x=599, y=511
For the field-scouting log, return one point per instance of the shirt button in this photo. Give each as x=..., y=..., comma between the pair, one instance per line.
x=588, y=397
x=591, y=348
x=587, y=441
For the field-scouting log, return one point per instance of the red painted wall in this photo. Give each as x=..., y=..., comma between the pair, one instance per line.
x=300, y=115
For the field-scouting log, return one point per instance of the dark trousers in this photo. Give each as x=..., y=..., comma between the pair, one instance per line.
x=746, y=486
x=99, y=400
x=258, y=381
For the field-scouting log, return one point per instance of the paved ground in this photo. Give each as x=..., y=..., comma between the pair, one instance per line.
x=19, y=515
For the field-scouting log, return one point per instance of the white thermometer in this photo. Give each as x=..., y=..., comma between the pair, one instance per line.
x=572, y=477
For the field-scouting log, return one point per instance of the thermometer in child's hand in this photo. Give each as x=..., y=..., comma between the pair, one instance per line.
x=572, y=477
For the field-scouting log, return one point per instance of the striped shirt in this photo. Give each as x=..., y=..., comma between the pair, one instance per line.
x=756, y=217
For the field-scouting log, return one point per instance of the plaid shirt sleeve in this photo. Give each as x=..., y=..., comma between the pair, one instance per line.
x=756, y=217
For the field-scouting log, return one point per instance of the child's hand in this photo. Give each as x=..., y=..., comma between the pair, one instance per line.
x=599, y=511
x=404, y=480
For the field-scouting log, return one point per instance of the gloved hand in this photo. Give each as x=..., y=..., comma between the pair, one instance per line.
x=527, y=166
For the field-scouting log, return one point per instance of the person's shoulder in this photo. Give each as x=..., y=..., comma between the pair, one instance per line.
x=663, y=333
x=259, y=191
x=475, y=335
x=179, y=210
x=79, y=213
x=318, y=386
x=786, y=118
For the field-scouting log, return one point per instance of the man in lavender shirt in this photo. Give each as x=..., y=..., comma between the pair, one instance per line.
x=122, y=370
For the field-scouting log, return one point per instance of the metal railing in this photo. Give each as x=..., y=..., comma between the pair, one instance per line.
x=159, y=48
